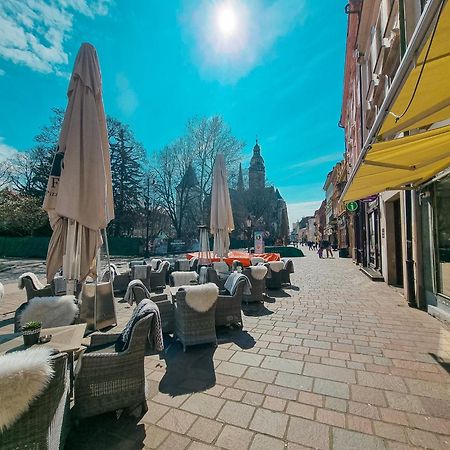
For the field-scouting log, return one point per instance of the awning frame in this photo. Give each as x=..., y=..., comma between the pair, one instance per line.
x=418, y=39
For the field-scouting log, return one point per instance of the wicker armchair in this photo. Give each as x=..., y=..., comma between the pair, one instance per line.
x=41, y=426
x=273, y=279
x=228, y=309
x=34, y=290
x=213, y=277
x=258, y=287
x=121, y=281
x=158, y=277
x=165, y=306
x=193, y=327
x=148, y=270
x=286, y=272
x=107, y=380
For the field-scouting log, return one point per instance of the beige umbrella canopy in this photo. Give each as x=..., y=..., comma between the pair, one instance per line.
x=79, y=197
x=222, y=223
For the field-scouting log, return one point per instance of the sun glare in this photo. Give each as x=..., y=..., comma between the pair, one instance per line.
x=226, y=20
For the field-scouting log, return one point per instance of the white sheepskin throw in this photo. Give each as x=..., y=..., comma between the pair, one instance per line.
x=256, y=260
x=165, y=265
x=221, y=266
x=181, y=278
x=50, y=311
x=276, y=266
x=155, y=263
x=34, y=280
x=258, y=272
x=201, y=297
x=2, y=291
x=23, y=376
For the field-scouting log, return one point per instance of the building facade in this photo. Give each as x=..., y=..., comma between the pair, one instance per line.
x=401, y=234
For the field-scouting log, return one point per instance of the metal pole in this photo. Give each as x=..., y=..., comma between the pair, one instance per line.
x=147, y=225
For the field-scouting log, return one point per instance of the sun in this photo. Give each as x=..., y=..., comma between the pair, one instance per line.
x=226, y=20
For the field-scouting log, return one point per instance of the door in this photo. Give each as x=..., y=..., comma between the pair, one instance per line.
x=398, y=243
x=373, y=240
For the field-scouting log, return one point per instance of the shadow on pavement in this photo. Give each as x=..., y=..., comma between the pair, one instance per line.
x=188, y=372
x=444, y=364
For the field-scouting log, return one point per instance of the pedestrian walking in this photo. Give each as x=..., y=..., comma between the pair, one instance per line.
x=327, y=246
x=320, y=251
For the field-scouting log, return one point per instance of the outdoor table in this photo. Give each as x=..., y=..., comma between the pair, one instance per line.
x=65, y=339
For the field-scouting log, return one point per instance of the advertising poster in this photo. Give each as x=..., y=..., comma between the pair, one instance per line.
x=259, y=241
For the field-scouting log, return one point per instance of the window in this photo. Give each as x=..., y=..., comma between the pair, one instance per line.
x=442, y=199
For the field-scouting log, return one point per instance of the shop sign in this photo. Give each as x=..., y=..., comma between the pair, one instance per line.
x=352, y=206
x=369, y=199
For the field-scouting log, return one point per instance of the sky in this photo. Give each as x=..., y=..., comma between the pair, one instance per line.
x=271, y=68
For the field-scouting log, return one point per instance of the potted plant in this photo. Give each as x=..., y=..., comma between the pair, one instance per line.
x=31, y=331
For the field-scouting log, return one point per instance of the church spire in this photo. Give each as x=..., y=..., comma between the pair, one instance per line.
x=257, y=170
x=240, y=182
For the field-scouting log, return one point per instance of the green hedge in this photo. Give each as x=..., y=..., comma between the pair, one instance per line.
x=285, y=252
x=24, y=247
x=36, y=247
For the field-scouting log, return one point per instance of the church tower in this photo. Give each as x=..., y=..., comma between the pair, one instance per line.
x=240, y=183
x=257, y=170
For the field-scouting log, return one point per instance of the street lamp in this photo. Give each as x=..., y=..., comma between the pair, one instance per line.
x=147, y=216
x=249, y=226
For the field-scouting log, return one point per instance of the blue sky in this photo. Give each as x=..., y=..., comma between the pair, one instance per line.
x=274, y=70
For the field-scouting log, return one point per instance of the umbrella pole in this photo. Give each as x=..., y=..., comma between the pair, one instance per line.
x=71, y=258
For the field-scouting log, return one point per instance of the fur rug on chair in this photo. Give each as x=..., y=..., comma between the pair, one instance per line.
x=202, y=297
x=34, y=279
x=51, y=311
x=276, y=266
x=258, y=272
x=256, y=260
x=23, y=376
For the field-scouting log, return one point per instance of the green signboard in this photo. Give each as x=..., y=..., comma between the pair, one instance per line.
x=352, y=206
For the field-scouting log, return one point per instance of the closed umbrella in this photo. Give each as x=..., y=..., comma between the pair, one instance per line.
x=79, y=198
x=222, y=223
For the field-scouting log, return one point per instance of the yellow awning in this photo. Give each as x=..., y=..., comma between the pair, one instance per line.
x=401, y=162
x=431, y=101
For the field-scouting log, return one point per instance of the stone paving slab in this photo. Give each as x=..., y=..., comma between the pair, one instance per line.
x=334, y=362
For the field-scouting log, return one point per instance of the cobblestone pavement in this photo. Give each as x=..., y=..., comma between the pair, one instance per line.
x=335, y=362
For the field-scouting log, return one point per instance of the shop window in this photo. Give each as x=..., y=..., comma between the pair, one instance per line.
x=442, y=202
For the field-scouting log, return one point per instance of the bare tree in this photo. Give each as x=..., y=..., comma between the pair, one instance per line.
x=175, y=187
x=4, y=174
x=207, y=137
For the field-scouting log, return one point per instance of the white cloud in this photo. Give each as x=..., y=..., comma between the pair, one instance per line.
x=126, y=98
x=317, y=161
x=302, y=209
x=259, y=24
x=34, y=31
x=6, y=151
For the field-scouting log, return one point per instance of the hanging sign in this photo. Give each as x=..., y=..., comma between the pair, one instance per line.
x=352, y=206
x=259, y=241
x=369, y=199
